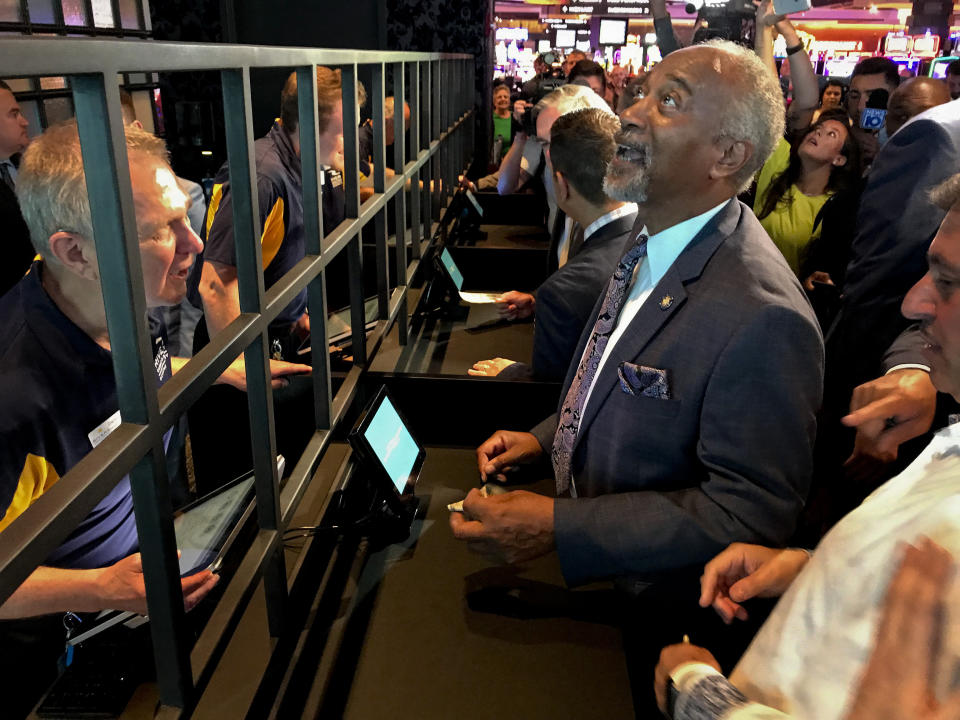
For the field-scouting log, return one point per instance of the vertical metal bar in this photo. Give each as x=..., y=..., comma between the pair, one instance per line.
x=428, y=175
x=153, y=511
x=351, y=186
x=111, y=201
x=442, y=98
x=400, y=199
x=246, y=231
x=379, y=184
x=351, y=174
x=358, y=320
x=416, y=115
x=436, y=86
x=470, y=100
x=461, y=80
x=310, y=164
x=118, y=250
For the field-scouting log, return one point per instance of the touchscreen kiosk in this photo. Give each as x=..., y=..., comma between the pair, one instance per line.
x=205, y=530
x=456, y=278
x=390, y=456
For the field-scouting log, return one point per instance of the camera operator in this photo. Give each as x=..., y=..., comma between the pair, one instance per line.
x=543, y=67
x=525, y=161
x=869, y=76
x=571, y=59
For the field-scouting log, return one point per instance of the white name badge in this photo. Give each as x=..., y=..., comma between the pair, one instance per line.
x=99, y=433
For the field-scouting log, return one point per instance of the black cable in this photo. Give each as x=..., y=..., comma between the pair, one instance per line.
x=314, y=530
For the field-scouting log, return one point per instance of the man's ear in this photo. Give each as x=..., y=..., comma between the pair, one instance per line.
x=561, y=188
x=137, y=124
x=734, y=154
x=75, y=253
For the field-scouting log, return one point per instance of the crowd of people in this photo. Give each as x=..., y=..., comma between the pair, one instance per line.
x=747, y=381
x=752, y=312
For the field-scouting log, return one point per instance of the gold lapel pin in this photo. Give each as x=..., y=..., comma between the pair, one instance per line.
x=665, y=302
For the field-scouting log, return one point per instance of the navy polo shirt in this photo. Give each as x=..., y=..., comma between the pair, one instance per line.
x=57, y=397
x=280, y=194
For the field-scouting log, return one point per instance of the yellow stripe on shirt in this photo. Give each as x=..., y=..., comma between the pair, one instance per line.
x=215, y=198
x=36, y=478
x=273, y=232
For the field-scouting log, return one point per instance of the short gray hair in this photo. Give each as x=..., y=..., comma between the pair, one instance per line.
x=755, y=113
x=567, y=98
x=946, y=194
x=52, y=188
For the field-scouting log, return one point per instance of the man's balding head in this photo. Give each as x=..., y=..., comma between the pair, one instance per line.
x=912, y=98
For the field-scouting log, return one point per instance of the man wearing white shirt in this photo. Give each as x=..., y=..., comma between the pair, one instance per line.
x=815, y=649
x=17, y=250
x=686, y=421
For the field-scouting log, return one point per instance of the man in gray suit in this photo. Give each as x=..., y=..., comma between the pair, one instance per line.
x=698, y=425
x=687, y=420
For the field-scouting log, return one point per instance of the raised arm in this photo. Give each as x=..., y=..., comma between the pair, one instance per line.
x=663, y=27
x=765, y=35
x=806, y=90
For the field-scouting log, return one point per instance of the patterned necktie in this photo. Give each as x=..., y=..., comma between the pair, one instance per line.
x=6, y=176
x=572, y=408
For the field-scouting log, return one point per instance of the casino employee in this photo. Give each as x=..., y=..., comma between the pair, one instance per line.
x=280, y=197
x=57, y=391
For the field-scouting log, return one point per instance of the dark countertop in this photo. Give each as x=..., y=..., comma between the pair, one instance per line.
x=449, y=635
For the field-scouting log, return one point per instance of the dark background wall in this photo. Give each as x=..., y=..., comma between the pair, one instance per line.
x=463, y=26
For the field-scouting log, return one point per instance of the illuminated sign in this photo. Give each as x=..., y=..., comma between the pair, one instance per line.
x=637, y=8
x=926, y=45
x=899, y=44
x=829, y=46
x=518, y=34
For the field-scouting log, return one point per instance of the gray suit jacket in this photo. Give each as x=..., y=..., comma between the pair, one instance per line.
x=565, y=302
x=666, y=484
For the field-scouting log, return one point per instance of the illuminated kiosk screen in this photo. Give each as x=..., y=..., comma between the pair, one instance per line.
x=451, y=267
x=392, y=444
x=613, y=32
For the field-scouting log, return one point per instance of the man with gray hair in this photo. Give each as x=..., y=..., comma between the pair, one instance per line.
x=525, y=161
x=663, y=447
x=58, y=397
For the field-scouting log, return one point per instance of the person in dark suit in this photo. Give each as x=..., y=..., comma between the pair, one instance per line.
x=687, y=418
x=581, y=145
x=895, y=224
x=17, y=250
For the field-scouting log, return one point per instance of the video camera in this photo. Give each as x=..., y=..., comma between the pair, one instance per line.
x=732, y=20
x=547, y=85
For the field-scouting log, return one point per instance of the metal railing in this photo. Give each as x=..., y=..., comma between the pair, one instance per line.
x=439, y=89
